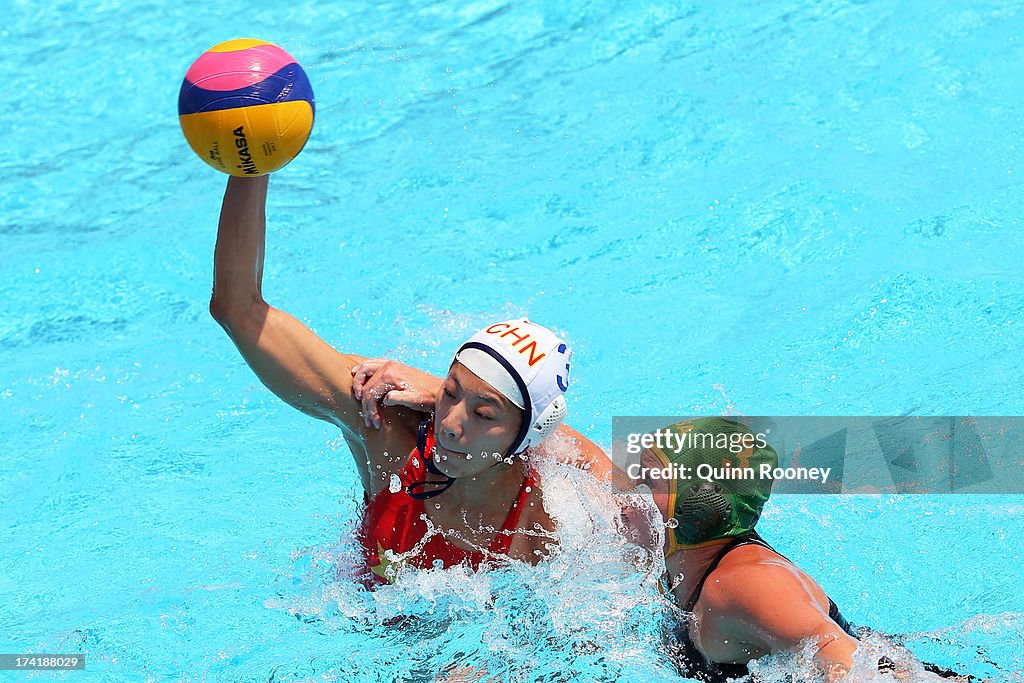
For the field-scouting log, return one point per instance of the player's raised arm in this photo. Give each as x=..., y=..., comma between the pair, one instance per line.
x=287, y=356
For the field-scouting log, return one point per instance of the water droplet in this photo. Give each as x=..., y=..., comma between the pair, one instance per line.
x=438, y=563
x=415, y=462
x=395, y=485
x=437, y=505
x=378, y=467
x=672, y=523
x=529, y=488
x=469, y=456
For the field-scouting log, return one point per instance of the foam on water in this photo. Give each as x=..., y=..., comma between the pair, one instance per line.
x=591, y=611
x=586, y=613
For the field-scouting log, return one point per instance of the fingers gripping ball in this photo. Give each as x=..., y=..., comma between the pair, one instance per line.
x=246, y=107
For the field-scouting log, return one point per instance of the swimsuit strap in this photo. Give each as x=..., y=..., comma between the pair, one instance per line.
x=425, y=449
x=754, y=539
x=833, y=609
x=747, y=539
x=503, y=541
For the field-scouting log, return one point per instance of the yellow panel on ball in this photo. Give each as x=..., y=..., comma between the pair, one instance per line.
x=249, y=141
x=237, y=44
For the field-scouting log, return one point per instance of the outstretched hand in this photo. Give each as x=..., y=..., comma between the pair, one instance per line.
x=378, y=381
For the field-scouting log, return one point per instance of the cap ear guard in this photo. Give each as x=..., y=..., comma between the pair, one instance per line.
x=546, y=424
x=702, y=512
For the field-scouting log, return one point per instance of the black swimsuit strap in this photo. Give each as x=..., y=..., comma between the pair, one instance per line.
x=747, y=539
x=753, y=538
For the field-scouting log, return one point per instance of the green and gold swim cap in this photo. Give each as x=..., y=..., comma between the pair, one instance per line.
x=718, y=491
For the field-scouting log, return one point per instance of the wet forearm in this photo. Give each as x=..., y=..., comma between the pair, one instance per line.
x=238, y=257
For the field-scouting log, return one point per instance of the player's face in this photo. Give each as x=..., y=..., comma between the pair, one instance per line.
x=474, y=425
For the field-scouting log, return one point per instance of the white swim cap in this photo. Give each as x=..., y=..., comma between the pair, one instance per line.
x=529, y=365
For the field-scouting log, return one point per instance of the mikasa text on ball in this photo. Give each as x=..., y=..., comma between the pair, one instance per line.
x=246, y=107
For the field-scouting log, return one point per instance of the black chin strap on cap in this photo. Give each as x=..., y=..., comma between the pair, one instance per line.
x=421, y=446
x=524, y=428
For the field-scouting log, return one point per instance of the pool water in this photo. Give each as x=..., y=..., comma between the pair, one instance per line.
x=732, y=208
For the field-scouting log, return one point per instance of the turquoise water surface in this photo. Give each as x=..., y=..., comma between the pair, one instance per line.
x=727, y=208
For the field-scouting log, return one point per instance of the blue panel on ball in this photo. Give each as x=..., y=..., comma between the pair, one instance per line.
x=287, y=84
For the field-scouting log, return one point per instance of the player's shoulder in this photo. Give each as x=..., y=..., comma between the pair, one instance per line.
x=750, y=575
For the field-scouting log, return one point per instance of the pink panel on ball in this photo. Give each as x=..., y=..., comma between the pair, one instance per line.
x=238, y=69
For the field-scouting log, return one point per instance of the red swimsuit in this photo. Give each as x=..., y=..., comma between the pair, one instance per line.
x=396, y=521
